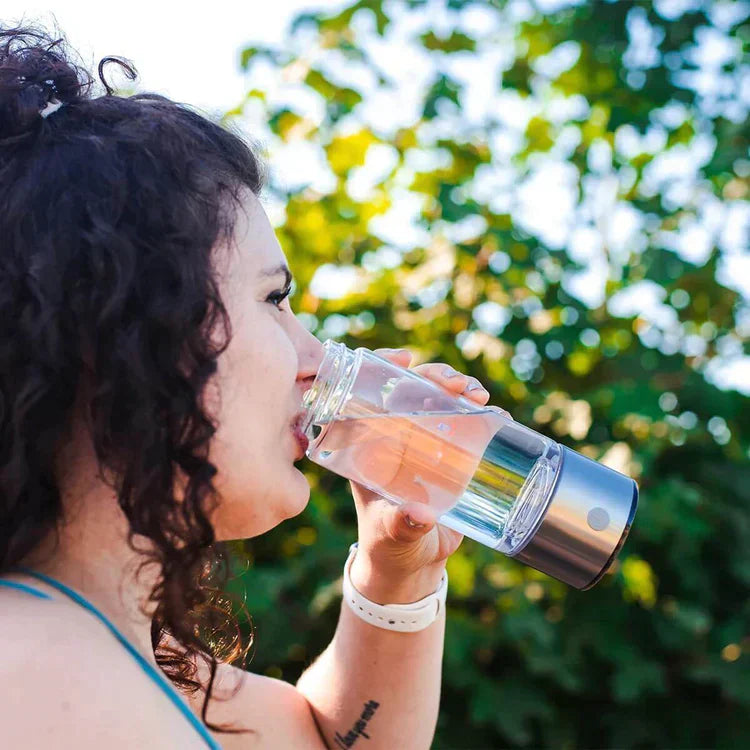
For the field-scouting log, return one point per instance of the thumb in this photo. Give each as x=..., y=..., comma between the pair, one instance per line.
x=410, y=521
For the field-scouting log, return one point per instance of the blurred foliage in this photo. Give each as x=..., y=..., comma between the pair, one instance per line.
x=658, y=653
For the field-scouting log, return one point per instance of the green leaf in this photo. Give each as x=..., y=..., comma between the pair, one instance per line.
x=443, y=88
x=456, y=42
x=657, y=651
x=637, y=678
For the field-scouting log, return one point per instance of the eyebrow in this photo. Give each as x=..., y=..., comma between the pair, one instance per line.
x=275, y=270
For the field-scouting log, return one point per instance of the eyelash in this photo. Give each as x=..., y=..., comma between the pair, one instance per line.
x=276, y=298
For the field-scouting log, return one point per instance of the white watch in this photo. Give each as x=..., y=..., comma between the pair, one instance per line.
x=405, y=618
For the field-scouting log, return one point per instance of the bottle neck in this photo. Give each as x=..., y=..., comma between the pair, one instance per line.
x=332, y=384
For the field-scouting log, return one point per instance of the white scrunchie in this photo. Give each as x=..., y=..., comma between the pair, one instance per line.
x=52, y=106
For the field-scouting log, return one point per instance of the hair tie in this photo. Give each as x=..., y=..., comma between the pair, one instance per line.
x=52, y=106
x=51, y=103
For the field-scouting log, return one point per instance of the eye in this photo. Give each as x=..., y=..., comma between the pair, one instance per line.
x=276, y=298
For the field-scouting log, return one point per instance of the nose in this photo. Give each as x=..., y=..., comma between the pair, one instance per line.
x=309, y=356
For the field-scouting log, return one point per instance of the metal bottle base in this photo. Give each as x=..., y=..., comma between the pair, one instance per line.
x=588, y=517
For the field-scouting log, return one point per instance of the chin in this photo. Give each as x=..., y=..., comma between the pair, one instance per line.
x=293, y=501
x=236, y=520
x=302, y=494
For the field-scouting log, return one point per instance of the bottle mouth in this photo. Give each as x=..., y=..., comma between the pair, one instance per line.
x=531, y=503
x=332, y=384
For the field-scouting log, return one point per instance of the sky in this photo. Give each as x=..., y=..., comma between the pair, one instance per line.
x=189, y=56
x=193, y=57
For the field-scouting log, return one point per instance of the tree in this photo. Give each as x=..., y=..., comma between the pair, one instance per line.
x=578, y=222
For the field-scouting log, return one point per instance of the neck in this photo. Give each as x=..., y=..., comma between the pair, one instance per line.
x=93, y=558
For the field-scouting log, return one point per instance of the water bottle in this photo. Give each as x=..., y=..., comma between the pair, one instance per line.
x=486, y=476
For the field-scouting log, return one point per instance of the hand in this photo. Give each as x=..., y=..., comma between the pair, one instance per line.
x=395, y=558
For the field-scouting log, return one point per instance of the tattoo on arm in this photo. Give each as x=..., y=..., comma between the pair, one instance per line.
x=358, y=730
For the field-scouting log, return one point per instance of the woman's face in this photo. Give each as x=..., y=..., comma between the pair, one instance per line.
x=270, y=362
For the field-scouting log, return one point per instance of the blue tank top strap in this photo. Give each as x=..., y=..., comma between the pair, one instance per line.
x=159, y=678
x=24, y=587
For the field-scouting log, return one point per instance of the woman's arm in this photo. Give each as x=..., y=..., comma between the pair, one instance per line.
x=376, y=688
x=379, y=689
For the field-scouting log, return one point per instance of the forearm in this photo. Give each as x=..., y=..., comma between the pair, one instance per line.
x=376, y=688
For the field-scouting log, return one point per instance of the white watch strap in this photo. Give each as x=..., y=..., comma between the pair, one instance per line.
x=405, y=618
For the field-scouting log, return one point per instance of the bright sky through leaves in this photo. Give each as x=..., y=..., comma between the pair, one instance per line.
x=194, y=57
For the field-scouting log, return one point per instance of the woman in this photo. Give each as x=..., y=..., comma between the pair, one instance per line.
x=151, y=373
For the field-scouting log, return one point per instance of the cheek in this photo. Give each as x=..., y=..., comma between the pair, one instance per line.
x=246, y=368
x=255, y=388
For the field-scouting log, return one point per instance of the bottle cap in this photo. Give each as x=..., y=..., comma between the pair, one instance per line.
x=587, y=519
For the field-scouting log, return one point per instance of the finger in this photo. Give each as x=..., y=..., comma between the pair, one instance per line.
x=454, y=381
x=400, y=357
x=476, y=391
x=444, y=374
x=504, y=412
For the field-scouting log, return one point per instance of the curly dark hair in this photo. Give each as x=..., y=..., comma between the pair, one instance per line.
x=109, y=210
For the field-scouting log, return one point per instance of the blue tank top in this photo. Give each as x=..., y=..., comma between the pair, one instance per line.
x=159, y=678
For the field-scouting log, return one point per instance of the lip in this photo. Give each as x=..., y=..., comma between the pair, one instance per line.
x=302, y=441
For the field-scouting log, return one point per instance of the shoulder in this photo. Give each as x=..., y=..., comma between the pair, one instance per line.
x=279, y=714
x=34, y=630
x=66, y=682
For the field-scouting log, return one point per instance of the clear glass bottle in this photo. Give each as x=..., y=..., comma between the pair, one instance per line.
x=485, y=475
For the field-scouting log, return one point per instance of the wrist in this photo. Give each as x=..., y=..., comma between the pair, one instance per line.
x=382, y=588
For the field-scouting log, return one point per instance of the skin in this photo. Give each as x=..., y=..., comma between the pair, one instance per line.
x=269, y=364
x=259, y=483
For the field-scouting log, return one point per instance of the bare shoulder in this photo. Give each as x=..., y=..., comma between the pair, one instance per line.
x=65, y=682
x=279, y=714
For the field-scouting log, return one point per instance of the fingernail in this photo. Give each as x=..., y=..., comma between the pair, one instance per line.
x=449, y=372
x=413, y=524
x=475, y=387
x=497, y=409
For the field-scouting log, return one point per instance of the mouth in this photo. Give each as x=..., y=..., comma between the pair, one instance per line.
x=301, y=438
